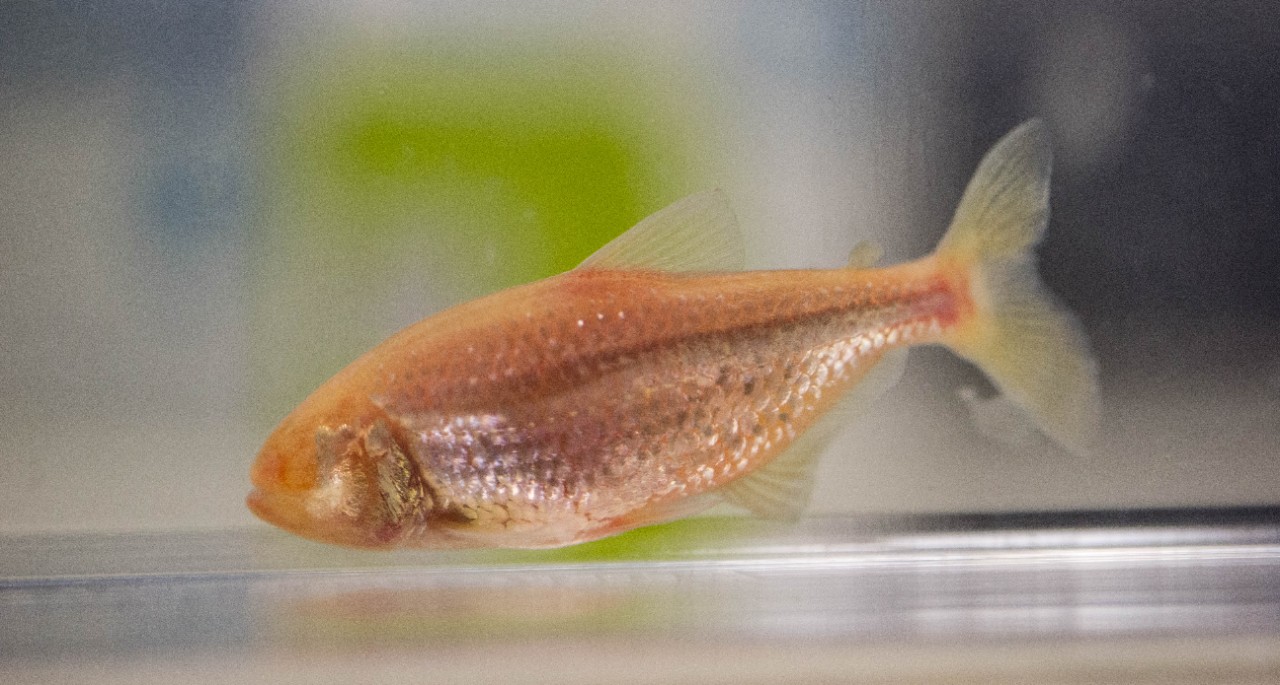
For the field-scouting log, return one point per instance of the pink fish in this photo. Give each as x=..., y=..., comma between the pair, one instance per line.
x=654, y=380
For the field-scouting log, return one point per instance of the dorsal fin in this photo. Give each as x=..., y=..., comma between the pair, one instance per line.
x=698, y=233
x=781, y=488
x=865, y=254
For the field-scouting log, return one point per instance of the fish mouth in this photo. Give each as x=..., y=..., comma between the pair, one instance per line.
x=294, y=512
x=259, y=503
x=284, y=510
x=269, y=500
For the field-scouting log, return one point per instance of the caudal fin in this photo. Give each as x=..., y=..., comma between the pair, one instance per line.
x=1030, y=346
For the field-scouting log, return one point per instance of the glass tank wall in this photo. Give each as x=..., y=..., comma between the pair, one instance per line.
x=211, y=207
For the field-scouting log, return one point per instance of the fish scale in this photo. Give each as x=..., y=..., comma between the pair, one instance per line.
x=591, y=440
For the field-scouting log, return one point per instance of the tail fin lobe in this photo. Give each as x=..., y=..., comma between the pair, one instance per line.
x=1030, y=346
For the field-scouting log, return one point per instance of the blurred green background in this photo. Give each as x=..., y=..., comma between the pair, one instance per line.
x=431, y=173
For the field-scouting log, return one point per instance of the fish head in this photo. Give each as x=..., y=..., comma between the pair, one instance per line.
x=346, y=484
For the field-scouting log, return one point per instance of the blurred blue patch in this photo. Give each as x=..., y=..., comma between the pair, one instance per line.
x=176, y=43
x=184, y=65
x=188, y=198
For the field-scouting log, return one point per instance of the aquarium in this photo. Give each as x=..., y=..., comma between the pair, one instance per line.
x=211, y=208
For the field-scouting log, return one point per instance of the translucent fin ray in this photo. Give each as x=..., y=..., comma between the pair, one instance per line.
x=781, y=489
x=865, y=255
x=1030, y=346
x=1005, y=207
x=698, y=233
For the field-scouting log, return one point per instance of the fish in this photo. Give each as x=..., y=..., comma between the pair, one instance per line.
x=659, y=379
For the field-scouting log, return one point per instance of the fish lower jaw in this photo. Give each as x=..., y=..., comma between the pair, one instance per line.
x=302, y=515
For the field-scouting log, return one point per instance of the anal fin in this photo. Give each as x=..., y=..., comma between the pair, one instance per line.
x=781, y=489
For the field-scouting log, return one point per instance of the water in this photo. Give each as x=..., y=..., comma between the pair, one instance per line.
x=210, y=207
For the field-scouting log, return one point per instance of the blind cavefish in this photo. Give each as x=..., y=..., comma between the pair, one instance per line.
x=657, y=379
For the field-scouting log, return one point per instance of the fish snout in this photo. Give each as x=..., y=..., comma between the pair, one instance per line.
x=284, y=476
x=284, y=464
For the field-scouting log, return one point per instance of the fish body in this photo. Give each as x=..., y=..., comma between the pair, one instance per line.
x=647, y=385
